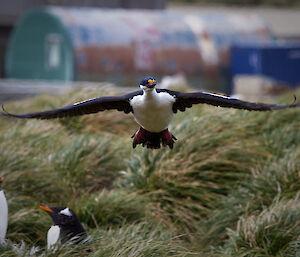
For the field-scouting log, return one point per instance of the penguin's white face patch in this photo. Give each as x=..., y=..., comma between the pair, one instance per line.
x=66, y=212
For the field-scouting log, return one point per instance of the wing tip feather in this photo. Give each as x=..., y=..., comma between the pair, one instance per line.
x=295, y=99
x=4, y=112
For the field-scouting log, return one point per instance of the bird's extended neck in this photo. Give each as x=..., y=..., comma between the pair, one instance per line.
x=150, y=93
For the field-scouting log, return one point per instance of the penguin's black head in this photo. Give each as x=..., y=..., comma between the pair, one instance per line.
x=65, y=218
x=61, y=216
x=148, y=82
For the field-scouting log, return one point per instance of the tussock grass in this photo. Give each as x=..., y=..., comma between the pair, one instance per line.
x=273, y=232
x=229, y=187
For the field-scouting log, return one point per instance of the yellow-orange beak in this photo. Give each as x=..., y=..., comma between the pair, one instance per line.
x=45, y=208
x=151, y=83
x=2, y=179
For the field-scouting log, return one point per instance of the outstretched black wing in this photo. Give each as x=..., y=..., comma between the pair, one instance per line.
x=120, y=103
x=186, y=100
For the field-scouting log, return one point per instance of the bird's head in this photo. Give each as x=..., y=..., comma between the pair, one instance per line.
x=61, y=216
x=1, y=180
x=148, y=83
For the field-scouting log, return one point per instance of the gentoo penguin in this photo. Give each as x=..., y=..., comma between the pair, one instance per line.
x=66, y=225
x=3, y=213
x=152, y=109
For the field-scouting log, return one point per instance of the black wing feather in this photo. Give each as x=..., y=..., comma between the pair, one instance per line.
x=186, y=100
x=120, y=103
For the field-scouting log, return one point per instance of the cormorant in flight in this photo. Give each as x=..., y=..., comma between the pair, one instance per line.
x=152, y=109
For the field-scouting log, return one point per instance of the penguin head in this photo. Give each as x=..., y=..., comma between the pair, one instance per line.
x=147, y=83
x=66, y=219
x=1, y=180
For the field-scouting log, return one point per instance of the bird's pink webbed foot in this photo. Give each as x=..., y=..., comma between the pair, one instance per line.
x=153, y=140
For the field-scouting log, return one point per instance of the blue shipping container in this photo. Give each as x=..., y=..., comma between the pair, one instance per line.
x=280, y=62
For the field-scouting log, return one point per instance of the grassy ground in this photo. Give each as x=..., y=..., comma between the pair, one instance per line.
x=230, y=186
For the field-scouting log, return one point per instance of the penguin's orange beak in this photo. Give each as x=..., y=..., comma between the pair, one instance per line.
x=45, y=208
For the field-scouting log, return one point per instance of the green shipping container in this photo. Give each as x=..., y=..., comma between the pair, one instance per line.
x=40, y=48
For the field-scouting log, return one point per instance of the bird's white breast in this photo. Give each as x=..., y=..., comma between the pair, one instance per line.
x=153, y=111
x=53, y=235
x=3, y=216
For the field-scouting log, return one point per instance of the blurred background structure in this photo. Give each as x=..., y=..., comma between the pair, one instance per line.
x=105, y=41
x=11, y=11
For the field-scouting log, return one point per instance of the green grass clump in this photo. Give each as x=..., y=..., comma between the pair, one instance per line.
x=273, y=232
x=230, y=186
